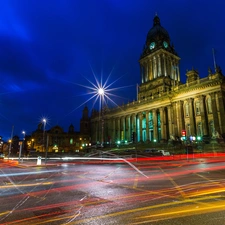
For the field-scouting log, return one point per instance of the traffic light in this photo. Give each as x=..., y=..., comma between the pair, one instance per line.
x=183, y=133
x=199, y=138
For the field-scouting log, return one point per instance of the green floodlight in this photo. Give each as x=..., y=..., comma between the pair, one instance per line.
x=199, y=138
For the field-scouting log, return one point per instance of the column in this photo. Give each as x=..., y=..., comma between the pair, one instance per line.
x=146, y=74
x=180, y=116
x=192, y=116
x=171, y=69
x=174, y=119
x=154, y=68
x=215, y=112
x=155, y=125
x=170, y=120
x=128, y=136
x=134, y=124
x=178, y=71
x=150, y=70
x=203, y=115
x=118, y=128
x=159, y=66
x=147, y=125
x=162, y=123
x=221, y=112
x=140, y=116
x=123, y=128
x=164, y=61
x=141, y=72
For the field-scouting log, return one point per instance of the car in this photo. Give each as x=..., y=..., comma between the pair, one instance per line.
x=153, y=152
x=164, y=152
x=2, y=155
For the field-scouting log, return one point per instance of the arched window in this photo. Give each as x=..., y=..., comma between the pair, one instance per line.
x=197, y=107
x=209, y=104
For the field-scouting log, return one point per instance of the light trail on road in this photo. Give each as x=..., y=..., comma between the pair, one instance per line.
x=80, y=193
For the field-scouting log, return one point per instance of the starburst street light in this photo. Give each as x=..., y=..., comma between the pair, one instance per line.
x=101, y=92
x=101, y=95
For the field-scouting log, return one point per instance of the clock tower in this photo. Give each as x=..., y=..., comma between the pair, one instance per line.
x=159, y=63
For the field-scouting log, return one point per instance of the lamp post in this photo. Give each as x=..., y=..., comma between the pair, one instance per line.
x=10, y=147
x=44, y=124
x=44, y=147
x=24, y=133
x=21, y=143
x=101, y=93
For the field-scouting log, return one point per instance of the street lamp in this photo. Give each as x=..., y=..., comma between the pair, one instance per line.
x=101, y=93
x=44, y=124
x=21, y=143
x=24, y=133
x=44, y=147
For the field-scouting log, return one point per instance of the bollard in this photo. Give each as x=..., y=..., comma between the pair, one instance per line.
x=39, y=160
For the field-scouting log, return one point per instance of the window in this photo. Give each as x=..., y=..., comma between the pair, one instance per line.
x=71, y=141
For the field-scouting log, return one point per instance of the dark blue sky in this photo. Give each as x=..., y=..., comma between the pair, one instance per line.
x=47, y=47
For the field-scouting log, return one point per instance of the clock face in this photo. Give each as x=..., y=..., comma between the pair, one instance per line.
x=152, y=45
x=165, y=44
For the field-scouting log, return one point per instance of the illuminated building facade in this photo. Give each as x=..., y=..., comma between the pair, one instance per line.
x=165, y=106
x=57, y=140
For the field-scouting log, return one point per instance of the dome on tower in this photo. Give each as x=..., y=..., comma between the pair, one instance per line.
x=157, y=38
x=157, y=32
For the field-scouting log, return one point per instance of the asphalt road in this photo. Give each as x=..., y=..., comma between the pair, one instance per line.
x=100, y=192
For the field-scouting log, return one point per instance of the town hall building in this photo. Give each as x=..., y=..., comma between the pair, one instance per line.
x=165, y=106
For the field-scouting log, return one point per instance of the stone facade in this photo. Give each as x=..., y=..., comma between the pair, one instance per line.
x=164, y=106
x=57, y=140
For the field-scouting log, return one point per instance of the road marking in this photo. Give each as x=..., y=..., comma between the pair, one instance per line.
x=174, y=184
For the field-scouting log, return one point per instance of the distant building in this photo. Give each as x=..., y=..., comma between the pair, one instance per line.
x=57, y=140
x=165, y=106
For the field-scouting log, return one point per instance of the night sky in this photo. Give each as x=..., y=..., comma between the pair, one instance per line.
x=51, y=49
